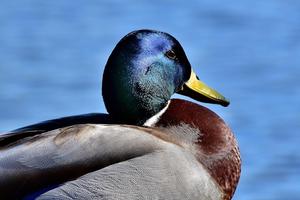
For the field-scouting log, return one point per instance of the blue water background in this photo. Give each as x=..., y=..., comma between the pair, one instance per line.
x=52, y=55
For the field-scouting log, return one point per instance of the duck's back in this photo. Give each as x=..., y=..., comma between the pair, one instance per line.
x=45, y=126
x=103, y=162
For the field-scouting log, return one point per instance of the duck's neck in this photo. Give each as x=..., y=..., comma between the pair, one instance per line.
x=154, y=119
x=215, y=145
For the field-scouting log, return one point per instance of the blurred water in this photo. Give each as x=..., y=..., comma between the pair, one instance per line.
x=52, y=55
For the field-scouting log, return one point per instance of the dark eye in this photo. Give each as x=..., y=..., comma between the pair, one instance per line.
x=171, y=54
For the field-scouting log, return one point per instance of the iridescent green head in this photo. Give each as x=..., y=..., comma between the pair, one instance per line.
x=142, y=73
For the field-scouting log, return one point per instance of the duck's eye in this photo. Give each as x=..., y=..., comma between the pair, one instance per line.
x=171, y=54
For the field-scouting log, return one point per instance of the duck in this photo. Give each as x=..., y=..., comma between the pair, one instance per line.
x=148, y=145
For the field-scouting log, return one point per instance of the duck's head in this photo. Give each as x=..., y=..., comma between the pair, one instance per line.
x=142, y=73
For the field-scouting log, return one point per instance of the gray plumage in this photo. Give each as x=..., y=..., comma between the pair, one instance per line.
x=104, y=162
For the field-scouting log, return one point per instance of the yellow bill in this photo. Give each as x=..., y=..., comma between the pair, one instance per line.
x=199, y=91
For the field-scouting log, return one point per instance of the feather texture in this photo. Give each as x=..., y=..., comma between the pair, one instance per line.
x=119, y=161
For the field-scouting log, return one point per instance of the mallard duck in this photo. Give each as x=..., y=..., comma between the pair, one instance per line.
x=149, y=146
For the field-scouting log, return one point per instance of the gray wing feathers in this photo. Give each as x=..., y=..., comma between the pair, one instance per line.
x=104, y=162
x=163, y=174
x=89, y=143
x=70, y=152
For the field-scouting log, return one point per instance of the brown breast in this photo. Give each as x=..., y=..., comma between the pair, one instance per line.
x=216, y=147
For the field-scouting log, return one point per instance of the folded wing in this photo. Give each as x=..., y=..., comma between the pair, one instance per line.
x=103, y=162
